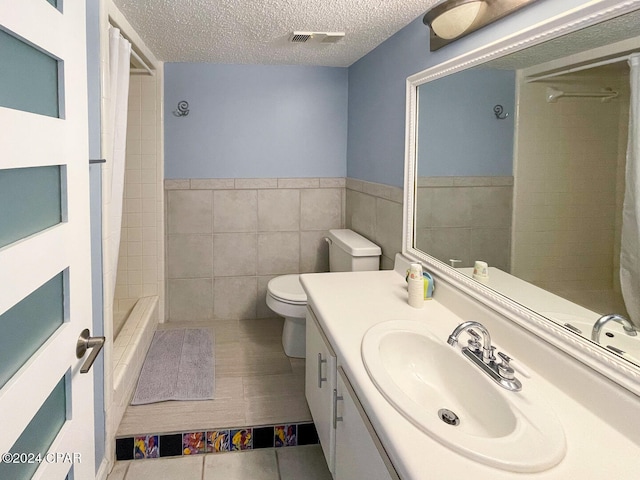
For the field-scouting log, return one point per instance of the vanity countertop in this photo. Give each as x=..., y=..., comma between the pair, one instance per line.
x=348, y=304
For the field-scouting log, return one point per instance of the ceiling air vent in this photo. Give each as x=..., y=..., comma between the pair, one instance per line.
x=333, y=37
x=316, y=37
x=300, y=37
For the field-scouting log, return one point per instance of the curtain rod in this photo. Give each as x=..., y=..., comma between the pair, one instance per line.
x=579, y=69
x=141, y=62
x=145, y=68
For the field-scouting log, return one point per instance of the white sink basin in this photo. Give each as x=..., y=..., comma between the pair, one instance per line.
x=420, y=375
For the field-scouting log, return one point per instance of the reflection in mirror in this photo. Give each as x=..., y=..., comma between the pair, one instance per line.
x=538, y=193
x=465, y=167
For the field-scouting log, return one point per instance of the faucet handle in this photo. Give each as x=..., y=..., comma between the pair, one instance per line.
x=504, y=369
x=505, y=358
x=474, y=341
x=474, y=346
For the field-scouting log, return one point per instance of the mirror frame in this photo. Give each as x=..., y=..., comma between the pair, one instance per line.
x=621, y=371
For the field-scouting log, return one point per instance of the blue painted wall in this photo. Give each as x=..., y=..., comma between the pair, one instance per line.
x=458, y=133
x=377, y=105
x=377, y=88
x=254, y=121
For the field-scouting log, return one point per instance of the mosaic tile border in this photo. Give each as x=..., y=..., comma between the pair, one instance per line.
x=215, y=441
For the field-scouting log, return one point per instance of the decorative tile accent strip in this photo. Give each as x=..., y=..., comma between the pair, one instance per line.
x=146, y=447
x=215, y=441
x=329, y=182
x=256, y=183
x=307, y=434
x=298, y=183
x=285, y=435
x=212, y=184
x=253, y=183
x=465, y=181
x=218, y=441
x=170, y=445
x=124, y=448
x=193, y=443
x=388, y=192
x=263, y=437
x=241, y=439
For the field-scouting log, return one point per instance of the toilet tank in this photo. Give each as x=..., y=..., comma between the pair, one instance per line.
x=351, y=252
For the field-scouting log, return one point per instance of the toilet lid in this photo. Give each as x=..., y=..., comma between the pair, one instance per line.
x=287, y=288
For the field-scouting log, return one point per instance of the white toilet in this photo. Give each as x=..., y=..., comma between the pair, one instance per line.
x=348, y=252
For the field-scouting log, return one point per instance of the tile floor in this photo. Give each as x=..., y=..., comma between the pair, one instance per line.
x=255, y=384
x=292, y=463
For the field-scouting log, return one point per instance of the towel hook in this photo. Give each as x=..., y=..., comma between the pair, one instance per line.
x=498, y=112
x=183, y=109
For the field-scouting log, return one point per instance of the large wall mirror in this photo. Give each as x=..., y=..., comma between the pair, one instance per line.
x=516, y=156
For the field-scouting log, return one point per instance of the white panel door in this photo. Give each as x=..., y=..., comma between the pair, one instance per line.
x=53, y=258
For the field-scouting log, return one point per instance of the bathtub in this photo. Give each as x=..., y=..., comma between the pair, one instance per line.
x=129, y=351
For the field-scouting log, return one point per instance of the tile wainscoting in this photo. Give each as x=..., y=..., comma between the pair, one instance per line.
x=226, y=238
x=465, y=218
x=374, y=210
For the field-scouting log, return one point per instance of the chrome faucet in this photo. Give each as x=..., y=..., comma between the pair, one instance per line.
x=487, y=349
x=627, y=326
x=483, y=356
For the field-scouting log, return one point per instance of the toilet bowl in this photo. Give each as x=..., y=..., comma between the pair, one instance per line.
x=348, y=252
x=286, y=297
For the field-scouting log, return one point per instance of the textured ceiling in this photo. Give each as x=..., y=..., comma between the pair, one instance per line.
x=611, y=31
x=257, y=31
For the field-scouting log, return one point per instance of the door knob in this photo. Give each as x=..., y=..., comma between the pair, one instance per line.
x=86, y=342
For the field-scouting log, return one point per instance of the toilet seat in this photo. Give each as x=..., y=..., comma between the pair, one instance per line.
x=287, y=289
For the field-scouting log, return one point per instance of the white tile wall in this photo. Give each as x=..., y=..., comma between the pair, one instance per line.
x=140, y=269
x=567, y=192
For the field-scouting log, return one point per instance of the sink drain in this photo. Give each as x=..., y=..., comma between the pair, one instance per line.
x=448, y=417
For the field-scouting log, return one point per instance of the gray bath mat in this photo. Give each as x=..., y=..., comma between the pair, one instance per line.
x=179, y=366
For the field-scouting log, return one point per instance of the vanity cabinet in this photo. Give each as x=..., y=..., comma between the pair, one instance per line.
x=320, y=384
x=351, y=447
x=359, y=453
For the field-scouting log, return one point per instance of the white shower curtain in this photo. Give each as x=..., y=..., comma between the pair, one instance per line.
x=119, y=59
x=630, y=248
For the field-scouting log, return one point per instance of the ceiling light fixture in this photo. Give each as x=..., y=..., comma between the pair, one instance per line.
x=453, y=19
